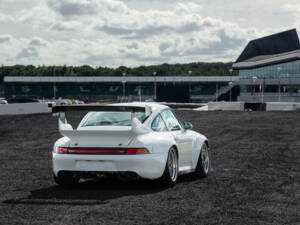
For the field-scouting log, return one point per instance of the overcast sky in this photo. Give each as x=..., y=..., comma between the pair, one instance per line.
x=136, y=32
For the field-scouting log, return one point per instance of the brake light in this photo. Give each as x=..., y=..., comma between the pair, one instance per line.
x=62, y=150
x=137, y=151
x=102, y=151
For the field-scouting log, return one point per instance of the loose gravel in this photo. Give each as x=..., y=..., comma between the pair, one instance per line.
x=254, y=177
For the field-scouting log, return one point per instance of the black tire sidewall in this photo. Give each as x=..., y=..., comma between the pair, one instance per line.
x=65, y=180
x=200, y=171
x=166, y=177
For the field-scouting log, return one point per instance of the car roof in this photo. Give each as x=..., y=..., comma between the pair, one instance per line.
x=154, y=106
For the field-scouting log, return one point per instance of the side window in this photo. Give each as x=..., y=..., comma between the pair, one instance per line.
x=158, y=124
x=171, y=121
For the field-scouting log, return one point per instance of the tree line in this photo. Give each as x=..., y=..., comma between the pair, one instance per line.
x=197, y=69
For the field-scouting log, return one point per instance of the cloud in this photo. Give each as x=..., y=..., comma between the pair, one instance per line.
x=6, y=18
x=29, y=52
x=4, y=38
x=133, y=45
x=294, y=10
x=38, y=42
x=72, y=7
x=66, y=26
x=115, y=32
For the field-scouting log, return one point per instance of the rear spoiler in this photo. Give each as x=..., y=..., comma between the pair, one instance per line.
x=99, y=108
x=64, y=126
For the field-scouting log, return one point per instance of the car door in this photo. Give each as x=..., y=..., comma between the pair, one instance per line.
x=183, y=140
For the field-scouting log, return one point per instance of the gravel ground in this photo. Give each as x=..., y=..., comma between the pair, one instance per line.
x=254, y=177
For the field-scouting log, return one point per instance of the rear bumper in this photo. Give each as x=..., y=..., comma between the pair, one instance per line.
x=150, y=166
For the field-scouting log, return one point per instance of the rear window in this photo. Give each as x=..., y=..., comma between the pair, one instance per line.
x=112, y=119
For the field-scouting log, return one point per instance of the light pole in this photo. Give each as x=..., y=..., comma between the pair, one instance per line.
x=278, y=75
x=190, y=73
x=154, y=79
x=54, y=84
x=217, y=88
x=230, y=83
x=124, y=82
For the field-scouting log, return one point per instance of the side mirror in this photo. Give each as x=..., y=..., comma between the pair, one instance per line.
x=187, y=126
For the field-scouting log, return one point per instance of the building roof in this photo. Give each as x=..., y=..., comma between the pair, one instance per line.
x=282, y=42
x=277, y=48
x=265, y=60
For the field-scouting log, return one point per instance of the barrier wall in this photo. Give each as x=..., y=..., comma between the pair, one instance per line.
x=24, y=108
x=226, y=106
x=36, y=108
x=282, y=106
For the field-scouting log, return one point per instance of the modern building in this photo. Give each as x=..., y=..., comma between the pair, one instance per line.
x=162, y=89
x=269, y=69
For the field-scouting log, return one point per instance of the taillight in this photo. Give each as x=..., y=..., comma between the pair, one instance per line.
x=62, y=150
x=102, y=151
x=137, y=151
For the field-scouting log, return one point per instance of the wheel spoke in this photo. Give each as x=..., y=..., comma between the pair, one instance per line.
x=205, y=158
x=173, y=165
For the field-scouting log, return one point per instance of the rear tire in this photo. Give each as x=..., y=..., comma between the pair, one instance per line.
x=66, y=179
x=203, y=162
x=170, y=176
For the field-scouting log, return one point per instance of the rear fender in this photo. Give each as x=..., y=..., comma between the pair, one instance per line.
x=155, y=143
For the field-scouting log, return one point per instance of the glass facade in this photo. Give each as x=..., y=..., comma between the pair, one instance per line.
x=282, y=70
x=67, y=90
x=194, y=90
x=291, y=89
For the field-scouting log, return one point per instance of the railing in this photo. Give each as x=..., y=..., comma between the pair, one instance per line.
x=224, y=90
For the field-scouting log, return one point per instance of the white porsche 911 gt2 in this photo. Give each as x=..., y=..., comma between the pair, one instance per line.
x=138, y=140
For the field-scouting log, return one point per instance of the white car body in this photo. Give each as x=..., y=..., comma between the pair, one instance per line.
x=188, y=144
x=3, y=101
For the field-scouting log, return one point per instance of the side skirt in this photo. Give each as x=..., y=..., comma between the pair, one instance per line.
x=185, y=170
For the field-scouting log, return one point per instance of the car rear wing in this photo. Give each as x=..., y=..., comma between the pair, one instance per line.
x=64, y=126
x=100, y=108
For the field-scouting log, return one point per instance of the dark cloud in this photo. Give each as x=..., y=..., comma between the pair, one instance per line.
x=134, y=45
x=37, y=42
x=67, y=8
x=135, y=33
x=4, y=39
x=192, y=27
x=150, y=30
x=163, y=46
x=115, y=30
x=29, y=52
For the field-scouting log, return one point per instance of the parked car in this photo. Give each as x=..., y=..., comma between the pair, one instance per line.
x=3, y=101
x=63, y=102
x=136, y=140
